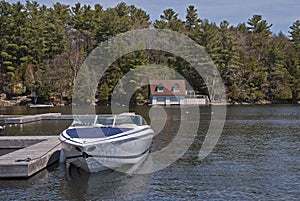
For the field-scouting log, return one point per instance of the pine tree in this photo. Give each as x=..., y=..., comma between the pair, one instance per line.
x=192, y=19
x=169, y=20
x=293, y=58
x=13, y=46
x=138, y=18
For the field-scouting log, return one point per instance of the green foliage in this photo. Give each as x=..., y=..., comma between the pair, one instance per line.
x=42, y=49
x=169, y=20
x=295, y=33
x=192, y=19
x=259, y=26
x=104, y=92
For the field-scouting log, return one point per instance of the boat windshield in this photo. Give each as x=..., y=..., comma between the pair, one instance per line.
x=83, y=120
x=129, y=119
x=107, y=120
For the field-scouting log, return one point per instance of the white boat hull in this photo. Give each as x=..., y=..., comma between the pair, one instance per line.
x=94, y=155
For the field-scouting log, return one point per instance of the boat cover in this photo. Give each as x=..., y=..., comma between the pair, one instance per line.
x=95, y=132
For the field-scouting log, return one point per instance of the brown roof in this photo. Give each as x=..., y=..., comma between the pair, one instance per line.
x=168, y=87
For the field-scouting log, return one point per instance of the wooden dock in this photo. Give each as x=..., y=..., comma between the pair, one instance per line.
x=5, y=116
x=33, y=118
x=40, y=106
x=34, y=154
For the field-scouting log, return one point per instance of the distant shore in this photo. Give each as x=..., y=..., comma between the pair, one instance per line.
x=25, y=101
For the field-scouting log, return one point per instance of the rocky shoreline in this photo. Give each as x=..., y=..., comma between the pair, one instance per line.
x=15, y=101
x=23, y=101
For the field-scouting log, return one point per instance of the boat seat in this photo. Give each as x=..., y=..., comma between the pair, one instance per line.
x=95, y=132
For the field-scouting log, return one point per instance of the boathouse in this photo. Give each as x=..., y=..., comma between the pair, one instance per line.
x=172, y=92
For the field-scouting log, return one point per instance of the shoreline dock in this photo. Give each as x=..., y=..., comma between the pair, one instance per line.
x=33, y=155
x=22, y=119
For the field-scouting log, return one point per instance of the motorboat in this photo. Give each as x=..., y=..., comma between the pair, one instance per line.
x=99, y=142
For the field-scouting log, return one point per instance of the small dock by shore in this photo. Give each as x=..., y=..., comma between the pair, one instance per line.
x=40, y=105
x=33, y=154
x=18, y=119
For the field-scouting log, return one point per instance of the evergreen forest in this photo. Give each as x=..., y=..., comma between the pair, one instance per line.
x=42, y=49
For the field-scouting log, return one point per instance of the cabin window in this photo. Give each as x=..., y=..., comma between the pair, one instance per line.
x=191, y=94
x=176, y=87
x=160, y=88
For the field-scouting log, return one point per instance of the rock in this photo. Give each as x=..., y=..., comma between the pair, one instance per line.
x=2, y=96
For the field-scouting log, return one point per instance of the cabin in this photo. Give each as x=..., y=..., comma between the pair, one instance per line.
x=173, y=92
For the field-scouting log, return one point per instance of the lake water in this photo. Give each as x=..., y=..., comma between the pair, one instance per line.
x=256, y=158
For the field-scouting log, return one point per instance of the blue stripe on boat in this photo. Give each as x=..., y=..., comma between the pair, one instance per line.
x=95, y=132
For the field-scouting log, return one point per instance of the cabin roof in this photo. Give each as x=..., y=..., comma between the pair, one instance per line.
x=168, y=86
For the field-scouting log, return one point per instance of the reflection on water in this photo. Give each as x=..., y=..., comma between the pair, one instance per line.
x=256, y=158
x=106, y=185
x=59, y=182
